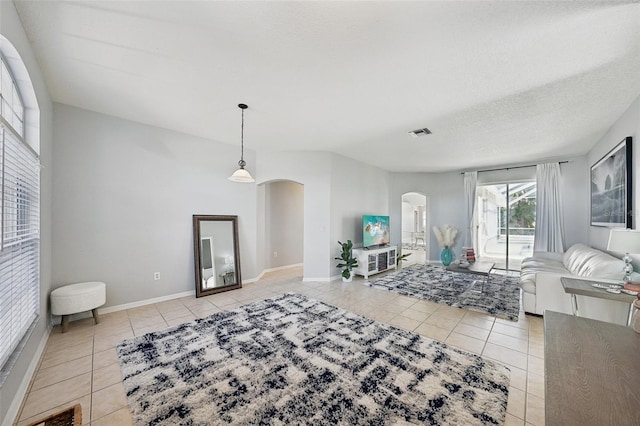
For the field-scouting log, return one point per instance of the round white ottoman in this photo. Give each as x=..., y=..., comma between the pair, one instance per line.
x=75, y=298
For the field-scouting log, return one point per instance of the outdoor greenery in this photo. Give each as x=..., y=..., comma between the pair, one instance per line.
x=522, y=215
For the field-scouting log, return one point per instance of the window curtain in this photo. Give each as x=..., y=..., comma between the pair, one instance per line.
x=470, y=184
x=549, y=228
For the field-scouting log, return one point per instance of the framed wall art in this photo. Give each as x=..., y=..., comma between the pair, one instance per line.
x=611, y=193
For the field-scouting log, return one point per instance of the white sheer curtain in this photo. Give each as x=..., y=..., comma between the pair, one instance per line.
x=549, y=227
x=470, y=184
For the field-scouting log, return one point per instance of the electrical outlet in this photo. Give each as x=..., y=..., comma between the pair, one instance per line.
x=156, y=276
x=275, y=254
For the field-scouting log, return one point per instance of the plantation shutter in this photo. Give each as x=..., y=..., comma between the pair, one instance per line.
x=19, y=239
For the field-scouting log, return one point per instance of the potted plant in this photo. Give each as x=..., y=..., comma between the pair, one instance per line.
x=401, y=258
x=347, y=261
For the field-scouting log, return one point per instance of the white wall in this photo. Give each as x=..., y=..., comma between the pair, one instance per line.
x=310, y=169
x=337, y=192
x=12, y=390
x=574, y=188
x=627, y=125
x=284, y=223
x=356, y=189
x=407, y=221
x=446, y=204
x=124, y=196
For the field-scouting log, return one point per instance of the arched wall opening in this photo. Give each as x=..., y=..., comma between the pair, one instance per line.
x=281, y=228
x=415, y=227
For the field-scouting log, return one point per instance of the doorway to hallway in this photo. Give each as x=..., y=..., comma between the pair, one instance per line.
x=415, y=229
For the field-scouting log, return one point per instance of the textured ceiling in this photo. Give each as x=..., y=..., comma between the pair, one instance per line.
x=498, y=83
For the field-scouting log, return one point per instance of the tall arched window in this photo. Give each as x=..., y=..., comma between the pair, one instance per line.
x=20, y=220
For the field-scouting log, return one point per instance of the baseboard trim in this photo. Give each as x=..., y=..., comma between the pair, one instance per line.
x=14, y=409
x=280, y=268
x=265, y=271
x=145, y=302
x=322, y=280
x=253, y=280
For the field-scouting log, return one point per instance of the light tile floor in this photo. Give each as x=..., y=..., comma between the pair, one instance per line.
x=81, y=365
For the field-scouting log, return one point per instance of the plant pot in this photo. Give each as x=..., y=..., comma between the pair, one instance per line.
x=446, y=256
x=348, y=280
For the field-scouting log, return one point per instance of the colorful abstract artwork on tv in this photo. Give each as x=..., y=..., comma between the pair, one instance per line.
x=375, y=230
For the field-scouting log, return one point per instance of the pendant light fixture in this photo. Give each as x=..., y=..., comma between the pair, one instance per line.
x=242, y=175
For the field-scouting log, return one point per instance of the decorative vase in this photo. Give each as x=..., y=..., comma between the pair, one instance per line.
x=446, y=256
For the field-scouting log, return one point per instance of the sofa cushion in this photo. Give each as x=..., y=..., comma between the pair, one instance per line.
x=576, y=257
x=541, y=264
x=603, y=265
x=586, y=261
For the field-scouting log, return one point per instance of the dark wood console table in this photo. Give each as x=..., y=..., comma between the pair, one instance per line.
x=592, y=372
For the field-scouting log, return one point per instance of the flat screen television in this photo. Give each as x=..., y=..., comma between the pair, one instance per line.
x=375, y=230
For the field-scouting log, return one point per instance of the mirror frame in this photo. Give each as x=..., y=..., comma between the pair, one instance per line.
x=201, y=292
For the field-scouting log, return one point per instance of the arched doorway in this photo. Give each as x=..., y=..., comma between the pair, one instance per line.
x=283, y=244
x=415, y=227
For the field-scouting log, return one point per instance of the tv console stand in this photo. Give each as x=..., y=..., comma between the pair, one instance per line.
x=374, y=260
x=381, y=246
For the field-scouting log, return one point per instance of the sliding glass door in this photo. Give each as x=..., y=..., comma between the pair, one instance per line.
x=506, y=222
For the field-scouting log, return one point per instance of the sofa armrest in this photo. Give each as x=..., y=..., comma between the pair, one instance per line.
x=558, y=257
x=550, y=293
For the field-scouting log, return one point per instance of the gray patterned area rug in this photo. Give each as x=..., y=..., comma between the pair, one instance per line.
x=500, y=296
x=295, y=360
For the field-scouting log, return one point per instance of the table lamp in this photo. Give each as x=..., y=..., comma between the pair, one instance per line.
x=625, y=241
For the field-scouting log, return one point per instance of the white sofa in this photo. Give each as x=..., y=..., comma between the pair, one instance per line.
x=542, y=289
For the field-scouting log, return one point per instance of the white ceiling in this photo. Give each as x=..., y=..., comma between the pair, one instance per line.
x=498, y=83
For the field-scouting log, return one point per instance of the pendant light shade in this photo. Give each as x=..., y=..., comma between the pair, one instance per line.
x=242, y=175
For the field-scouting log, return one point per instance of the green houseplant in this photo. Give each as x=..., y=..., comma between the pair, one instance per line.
x=402, y=258
x=347, y=261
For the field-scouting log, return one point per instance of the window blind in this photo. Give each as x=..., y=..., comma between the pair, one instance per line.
x=19, y=240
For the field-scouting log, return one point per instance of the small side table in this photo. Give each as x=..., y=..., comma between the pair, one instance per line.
x=575, y=286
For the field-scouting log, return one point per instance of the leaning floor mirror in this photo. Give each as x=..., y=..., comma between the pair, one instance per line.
x=216, y=254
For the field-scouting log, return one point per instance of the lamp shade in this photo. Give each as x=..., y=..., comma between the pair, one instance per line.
x=624, y=241
x=241, y=175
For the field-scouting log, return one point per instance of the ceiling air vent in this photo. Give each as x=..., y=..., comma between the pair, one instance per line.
x=420, y=132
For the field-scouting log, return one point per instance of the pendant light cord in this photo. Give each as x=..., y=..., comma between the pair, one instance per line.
x=242, y=138
x=241, y=163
